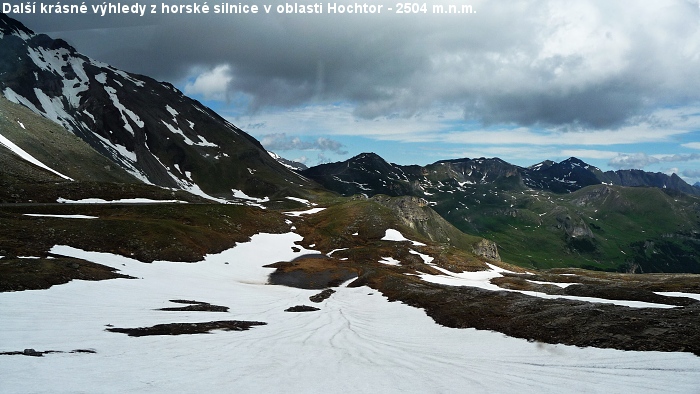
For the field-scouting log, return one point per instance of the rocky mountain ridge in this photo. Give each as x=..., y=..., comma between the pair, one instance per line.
x=547, y=215
x=147, y=127
x=370, y=174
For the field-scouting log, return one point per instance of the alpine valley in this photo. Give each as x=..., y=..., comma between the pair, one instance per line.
x=149, y=245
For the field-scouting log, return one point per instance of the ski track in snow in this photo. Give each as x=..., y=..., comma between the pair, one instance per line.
x=357, y=342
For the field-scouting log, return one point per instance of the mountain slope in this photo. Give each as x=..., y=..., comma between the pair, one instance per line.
x=54, y=146
x=548, y=215
x=147, y=127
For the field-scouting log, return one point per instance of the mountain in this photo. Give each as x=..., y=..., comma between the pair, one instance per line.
x=146, y=127
x=103, y=273
x=49, y=143
x=43, y=162
x=547, y=215
x=369, y=174
x=292, y=165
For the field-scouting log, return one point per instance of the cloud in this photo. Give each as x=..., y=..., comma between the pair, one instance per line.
x=692, y=173
x=522, y=63
x=447, y=126
x=282, y=142
x=323, y=159
x=212, y=84
x=301, y=159
x=635, y=160
x=692, y=145
x=589, y=153
x=641, y=160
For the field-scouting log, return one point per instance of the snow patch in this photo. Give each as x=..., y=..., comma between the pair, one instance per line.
x=41, y=215
x=243, y=196
x=120, y=201
x=390, y=261
x=426, y=259
x=396, y=236
x=307, y=212
x=26, y=156
x=482, y=280
x=301, y=200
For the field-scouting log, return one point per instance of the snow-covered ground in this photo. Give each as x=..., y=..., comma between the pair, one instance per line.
x=357, y=342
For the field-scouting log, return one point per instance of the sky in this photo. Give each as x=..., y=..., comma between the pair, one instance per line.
x=614, y=83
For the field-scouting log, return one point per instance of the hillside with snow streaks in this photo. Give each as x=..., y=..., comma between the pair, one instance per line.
x=358, y=341
x=147, y=127
x=26, y=156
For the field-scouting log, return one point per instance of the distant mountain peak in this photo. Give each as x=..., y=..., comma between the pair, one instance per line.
x=574, y=161
x=367, y=156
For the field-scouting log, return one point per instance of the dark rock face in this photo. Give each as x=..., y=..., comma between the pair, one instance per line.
x=147, y=127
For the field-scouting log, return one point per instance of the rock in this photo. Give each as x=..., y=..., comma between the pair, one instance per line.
x=322, y=295
x=32, y=352
x=488, y=249
x=302, y=308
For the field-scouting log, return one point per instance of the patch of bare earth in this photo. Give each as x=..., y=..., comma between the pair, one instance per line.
x=194, y=306
x=17, y=274
x=187, y=328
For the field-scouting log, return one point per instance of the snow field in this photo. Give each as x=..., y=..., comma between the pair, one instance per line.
x=357, y=342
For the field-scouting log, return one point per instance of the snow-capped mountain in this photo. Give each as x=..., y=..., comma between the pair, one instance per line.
x=147, y=127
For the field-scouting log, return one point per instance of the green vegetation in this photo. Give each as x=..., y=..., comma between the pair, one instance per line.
x=174, y=232
x=600, y=227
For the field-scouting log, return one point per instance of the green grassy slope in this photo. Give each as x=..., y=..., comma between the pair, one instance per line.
x=598, y=227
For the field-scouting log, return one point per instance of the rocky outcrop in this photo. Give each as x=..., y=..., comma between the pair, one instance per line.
x=416, y=213
x=488, y=249
x=574, y=228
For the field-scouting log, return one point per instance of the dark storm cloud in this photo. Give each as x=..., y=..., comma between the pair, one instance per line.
x=593, y=64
